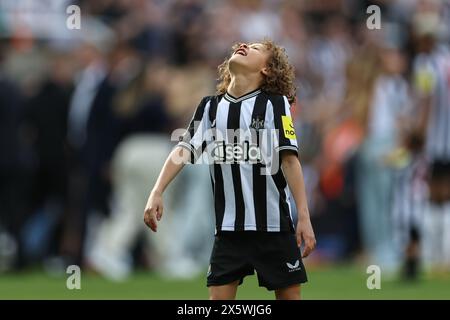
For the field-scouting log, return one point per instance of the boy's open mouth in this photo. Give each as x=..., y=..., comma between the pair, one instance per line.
x=241, y=51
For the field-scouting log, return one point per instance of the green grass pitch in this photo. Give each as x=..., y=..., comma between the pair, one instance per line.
x=333, y=282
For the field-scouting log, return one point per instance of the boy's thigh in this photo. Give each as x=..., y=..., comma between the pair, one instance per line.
x=223, y=292
x=288, y=293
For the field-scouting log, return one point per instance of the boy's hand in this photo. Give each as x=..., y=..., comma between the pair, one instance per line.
x=153, y=210
x=305, y=234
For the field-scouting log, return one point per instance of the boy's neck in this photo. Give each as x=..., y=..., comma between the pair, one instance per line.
x=242, y=84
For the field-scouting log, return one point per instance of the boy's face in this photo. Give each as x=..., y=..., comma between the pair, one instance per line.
x=250, y=58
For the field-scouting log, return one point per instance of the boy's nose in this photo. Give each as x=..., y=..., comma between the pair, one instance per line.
x=243, y=45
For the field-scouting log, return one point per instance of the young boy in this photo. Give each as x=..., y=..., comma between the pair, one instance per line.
x=254, y=229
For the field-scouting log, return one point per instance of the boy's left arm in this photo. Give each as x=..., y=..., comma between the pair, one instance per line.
x=294, y=176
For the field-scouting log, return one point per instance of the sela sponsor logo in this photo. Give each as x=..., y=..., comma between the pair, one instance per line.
x=294, y=267
x=235, y=152
x=256, y=145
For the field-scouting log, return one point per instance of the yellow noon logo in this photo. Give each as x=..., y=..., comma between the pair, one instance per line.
x=288, y=127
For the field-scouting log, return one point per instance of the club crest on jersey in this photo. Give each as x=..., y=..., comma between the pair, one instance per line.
x=257, y=123
x=288, y=127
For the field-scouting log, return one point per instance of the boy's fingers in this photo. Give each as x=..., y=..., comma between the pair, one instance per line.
x=153, y=224
x=150, y=219
x=159, y=213
x=309, y=247
x=299, y=240
x=306, y=252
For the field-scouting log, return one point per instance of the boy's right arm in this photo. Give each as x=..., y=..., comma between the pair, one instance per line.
x=191, y=141
x=173, y=165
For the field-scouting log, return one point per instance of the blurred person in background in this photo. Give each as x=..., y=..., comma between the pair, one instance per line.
x=44, y=121
x=103, y=136
x=11, y=175
x=387, y=106
x=88, y=122
x=409, y=192
x=324, y=82
x=144, y=122
x=431, y=75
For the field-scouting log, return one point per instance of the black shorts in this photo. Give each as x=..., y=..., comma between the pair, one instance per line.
x=273, y=255
x=440, y=170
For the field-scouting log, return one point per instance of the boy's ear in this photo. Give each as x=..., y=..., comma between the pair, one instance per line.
x=265, y=71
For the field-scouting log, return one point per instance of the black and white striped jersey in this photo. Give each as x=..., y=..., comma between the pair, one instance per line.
x=432, y=73
x=241, y=139
x=409, y=196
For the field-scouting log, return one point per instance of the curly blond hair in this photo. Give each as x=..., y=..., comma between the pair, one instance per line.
x=280, y=78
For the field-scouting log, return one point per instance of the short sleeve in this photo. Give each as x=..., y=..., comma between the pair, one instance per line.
x=194, y=136
x=282, y=120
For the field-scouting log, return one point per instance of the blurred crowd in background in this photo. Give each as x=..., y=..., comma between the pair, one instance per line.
x=86, y=118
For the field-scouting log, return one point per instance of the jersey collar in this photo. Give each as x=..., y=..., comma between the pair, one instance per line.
x=249, y=95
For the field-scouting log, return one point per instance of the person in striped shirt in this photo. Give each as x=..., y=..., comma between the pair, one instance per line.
x=431, y=74
x=246, y=134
